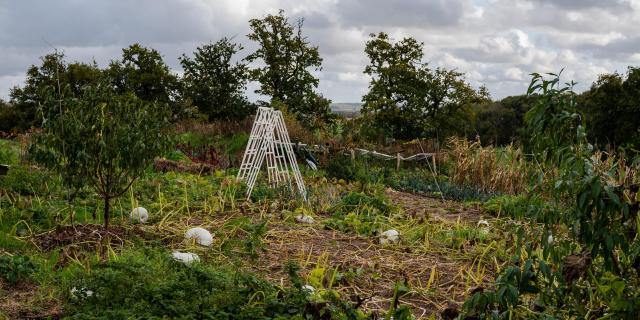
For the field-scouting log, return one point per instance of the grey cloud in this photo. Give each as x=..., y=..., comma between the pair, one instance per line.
x=419, y=13
x=618, y=49
x=104, y=22
x=483, y=39
x=612, y=5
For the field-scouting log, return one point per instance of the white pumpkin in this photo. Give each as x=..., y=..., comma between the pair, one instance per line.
x=200, y=235
x=308, y=288
x=389, y=236
x=483, y=223
x=186, y=257
x=305, y=219
x=139, y=214
x=81, y=293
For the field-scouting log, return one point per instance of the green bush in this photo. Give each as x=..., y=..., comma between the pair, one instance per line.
x=360, y=213
x=422, y=181
x=15, y=268
x=27, y=181
x=177, y=155
x=519, y=206
x=129, y=288
x=362, y=169
x=8, y=154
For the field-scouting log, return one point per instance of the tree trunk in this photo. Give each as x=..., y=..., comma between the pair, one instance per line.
x=106, y=212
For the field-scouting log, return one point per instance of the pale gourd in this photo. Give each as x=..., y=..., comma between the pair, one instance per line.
x=186, y=257
x=389, y=236
x=139, y=214
x=200, y=236
x=305, y=219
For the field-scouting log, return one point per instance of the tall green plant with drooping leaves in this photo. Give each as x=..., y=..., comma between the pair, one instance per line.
x=594, y=273
x=101, y=139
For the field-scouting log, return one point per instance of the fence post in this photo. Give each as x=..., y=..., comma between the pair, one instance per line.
x=353, y=155
x=433, y=161
x=398, y=159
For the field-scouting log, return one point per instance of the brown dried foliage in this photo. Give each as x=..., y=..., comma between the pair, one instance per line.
x=488, y=168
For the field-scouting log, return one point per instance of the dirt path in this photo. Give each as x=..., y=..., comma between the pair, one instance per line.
x=438, y=280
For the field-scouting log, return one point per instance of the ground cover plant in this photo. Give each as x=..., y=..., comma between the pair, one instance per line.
x=119, y=197
x=350, y=271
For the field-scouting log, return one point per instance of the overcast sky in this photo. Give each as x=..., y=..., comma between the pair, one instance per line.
x=494, y=42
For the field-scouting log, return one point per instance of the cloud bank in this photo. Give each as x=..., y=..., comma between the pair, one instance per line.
x=496, y=43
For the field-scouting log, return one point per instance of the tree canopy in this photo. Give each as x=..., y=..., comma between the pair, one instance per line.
x=214, y=83
x=52, y=74
x=287, y=61
x=611, y=108
x=407, y=99
x=143, y=72
x=100, y=138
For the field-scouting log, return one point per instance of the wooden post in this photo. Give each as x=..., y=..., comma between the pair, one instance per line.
x=398, y=159
x=433, y=160
x=353, y=155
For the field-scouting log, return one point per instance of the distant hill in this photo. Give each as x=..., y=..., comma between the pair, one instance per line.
x=348, y=110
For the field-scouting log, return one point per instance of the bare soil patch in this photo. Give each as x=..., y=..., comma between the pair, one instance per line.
x=87, y=236
x=25, y=301
x=382, y=265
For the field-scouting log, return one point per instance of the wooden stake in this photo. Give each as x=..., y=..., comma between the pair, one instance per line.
x=433, y=161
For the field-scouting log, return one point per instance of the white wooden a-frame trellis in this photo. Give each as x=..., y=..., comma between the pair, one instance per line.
x=269, y=140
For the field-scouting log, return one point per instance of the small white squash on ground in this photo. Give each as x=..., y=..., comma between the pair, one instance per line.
x=186, y=257
x=139, y=214
x=81, y=293
x=308, y=288
x=200, y=235
x=305, y=219
x=483, y=223
x=389, y=236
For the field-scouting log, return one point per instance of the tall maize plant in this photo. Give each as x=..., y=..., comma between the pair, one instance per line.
x=488, y=168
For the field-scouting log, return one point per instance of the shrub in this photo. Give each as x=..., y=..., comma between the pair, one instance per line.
x=129, y=287
x=28, y=181
x=15, y=268
x=360, y=213
x=103, y=140
x=7, y=153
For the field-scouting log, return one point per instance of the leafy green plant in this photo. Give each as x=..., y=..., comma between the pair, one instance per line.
x=177, y=155
x=595, y=198
x=359, y=212
x=101, y=139
x=15, y=268
x=520, y=206
x=129, y=287
x=8, y=154
x=29, y=181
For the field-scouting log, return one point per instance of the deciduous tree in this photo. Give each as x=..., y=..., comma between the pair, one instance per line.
x=101, y=139
x=143, y=72
x=288, y=60
x=612, y=109
x=53, y=74
x=410, y=100
x=214, y=83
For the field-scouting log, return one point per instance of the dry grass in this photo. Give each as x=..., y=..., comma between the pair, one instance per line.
x=488, y=168
x=27, y=301
x=438, y=275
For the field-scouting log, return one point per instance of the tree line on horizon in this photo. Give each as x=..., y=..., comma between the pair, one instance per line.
x=406, y=98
